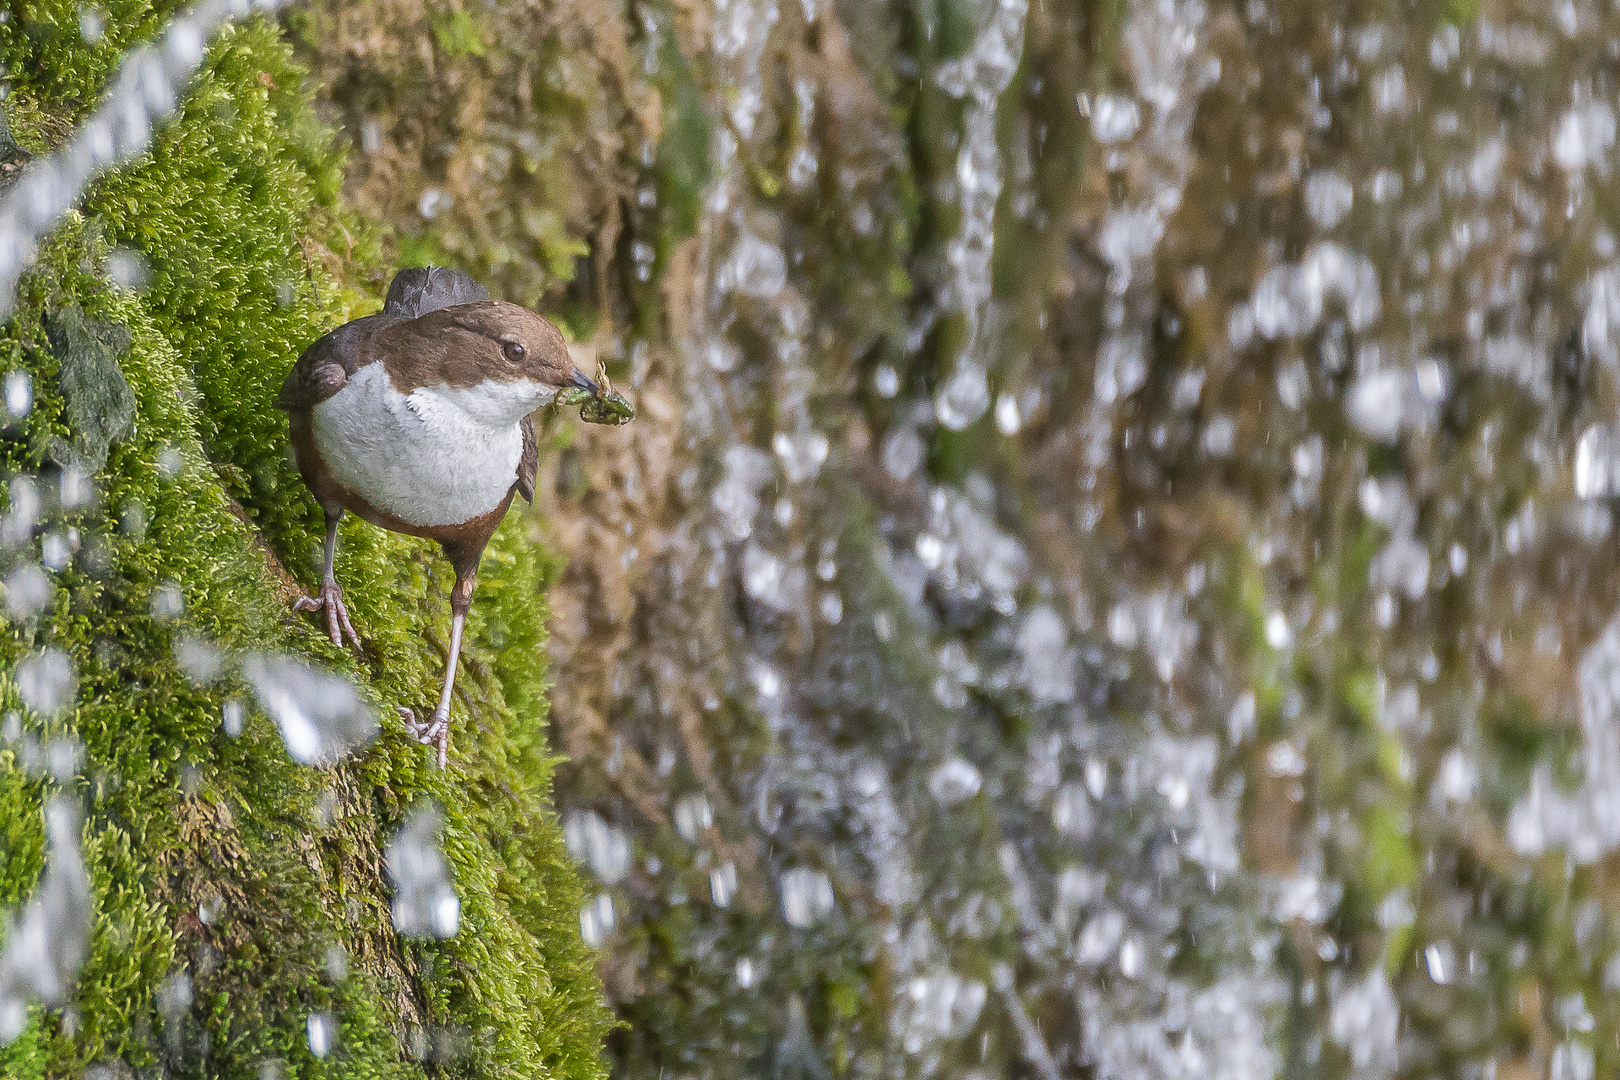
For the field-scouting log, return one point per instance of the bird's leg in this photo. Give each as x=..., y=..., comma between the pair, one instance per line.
x=330, y=599
x=437, y=729
x=439, y=726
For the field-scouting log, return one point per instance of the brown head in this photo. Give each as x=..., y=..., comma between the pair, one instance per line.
x=496, y=358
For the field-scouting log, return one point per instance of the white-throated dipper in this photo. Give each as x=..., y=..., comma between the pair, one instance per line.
x=418, y=419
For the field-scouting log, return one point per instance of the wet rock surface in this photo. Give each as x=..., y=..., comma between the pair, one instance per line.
x=1109, y=575
x=1105, y=539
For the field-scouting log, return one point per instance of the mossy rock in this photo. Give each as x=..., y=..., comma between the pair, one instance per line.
x=213, y=857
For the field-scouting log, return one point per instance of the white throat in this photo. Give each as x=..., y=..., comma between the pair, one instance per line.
x=436, y=456
x=493, y=402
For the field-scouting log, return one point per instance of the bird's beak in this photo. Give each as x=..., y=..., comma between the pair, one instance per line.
x=578, y=379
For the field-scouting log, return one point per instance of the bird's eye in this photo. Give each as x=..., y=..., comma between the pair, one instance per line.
x=514, y=350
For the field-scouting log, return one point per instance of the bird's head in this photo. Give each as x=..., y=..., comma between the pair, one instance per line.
x=497, y=361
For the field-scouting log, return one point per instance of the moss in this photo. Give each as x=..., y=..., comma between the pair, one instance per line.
x=457, y=34
x=495, y=138
x=1390, y=861
x=234, y=214
x=682, y=164
x=47, y=45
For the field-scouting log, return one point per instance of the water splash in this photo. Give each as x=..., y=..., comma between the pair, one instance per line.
x=979, y=76
x=320, y=714
x=28, y=591
x=807, y=897
x=47, y=681
x=591, y=840
x=51, y=935
x=1585, y=821
x=425, y=901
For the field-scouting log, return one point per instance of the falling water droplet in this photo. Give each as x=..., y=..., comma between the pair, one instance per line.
x=954, y=780
x=807, y=896
x=47, y=681
x=28, y=591
x=320, y=714
x=964, y=397
x=233, y=715
x=596, y=920
x=425, y=902
x=322, y=1033
x=19, y=393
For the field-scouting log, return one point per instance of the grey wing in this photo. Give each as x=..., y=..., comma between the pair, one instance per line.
x=529, y=463
x=325, y=366
x=418, y=290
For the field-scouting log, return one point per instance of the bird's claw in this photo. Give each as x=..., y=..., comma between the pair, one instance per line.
x=330, y=600
x=435, y=730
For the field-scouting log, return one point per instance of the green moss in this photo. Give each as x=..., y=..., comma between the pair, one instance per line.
x=230, y=211
x=1390, y=861
x=47, y=46
x=458, y=35
x=682, y=162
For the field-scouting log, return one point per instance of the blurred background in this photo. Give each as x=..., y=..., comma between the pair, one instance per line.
x=1113, y=572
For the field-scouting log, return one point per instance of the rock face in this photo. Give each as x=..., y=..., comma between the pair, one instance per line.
x=1095, y=582
x=1109, y=575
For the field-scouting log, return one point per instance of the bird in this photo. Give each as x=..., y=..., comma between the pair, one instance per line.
x=419, y=420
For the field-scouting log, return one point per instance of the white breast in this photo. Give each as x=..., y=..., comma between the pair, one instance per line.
x=421, y=457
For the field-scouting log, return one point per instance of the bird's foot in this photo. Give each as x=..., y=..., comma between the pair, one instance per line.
x=330, y=600
x=434, y=731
